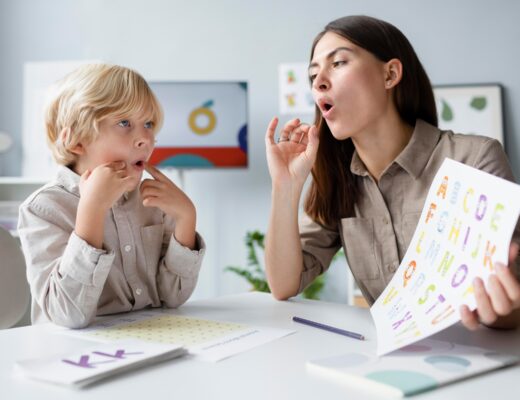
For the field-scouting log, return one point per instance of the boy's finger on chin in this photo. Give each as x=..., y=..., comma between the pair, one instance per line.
x=117, y=165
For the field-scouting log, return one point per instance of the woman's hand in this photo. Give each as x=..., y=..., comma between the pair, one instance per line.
x=499, y=306
x=162, y=193
x=291, y=159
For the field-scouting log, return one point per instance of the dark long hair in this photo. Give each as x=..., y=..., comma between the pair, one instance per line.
x=333, y=192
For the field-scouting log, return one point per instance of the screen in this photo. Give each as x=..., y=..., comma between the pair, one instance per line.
x=205, y=125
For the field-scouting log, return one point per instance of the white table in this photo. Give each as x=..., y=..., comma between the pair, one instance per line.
x=273, y=371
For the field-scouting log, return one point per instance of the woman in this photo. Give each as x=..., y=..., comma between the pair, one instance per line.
x=373, y=153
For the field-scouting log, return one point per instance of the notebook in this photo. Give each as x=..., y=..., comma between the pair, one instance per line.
x=97, y=362
x=417, y=368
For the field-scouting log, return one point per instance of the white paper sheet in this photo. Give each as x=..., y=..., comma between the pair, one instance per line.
x=465, y=228
x=206, y=340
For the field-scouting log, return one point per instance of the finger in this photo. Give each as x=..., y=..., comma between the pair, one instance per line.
x=469, y=318
x=156, y=174
x=509, y=283
x=85, y=175
x=288, y=128
x=485, y=309
x=299, y=133
x=312, y=146
x=513, y=252
x=151, y=191
x=151, y=201
x=271, y=129
x=498, y=296
x=154, y=183
x=117, y=165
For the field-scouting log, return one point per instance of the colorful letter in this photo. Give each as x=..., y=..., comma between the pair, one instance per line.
x=407, y=274
x=482, y=203
x=443, y=188
x=490, y=251
x=499, y=207
x=429, y=215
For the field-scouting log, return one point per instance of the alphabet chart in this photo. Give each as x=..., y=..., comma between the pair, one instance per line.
x=465, y=228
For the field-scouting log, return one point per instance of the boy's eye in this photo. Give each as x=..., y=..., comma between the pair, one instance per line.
x=124, y=123
x=149, y=125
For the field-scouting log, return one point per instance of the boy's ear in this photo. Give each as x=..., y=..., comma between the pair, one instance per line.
x=65, y=139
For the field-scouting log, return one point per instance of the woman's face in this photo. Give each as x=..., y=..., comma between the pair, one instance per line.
x=348, y=85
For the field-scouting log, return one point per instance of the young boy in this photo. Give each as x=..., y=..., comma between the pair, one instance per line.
x=96, y=240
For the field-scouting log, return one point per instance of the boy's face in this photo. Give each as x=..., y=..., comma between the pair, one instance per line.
x=130, y=140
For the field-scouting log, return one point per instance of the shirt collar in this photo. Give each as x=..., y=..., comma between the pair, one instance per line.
x=414, y=156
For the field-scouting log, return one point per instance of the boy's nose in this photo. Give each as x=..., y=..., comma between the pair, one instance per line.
x=144, y=140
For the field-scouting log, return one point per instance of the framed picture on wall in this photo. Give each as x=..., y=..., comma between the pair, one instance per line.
x=205, y=124
x=475, y=109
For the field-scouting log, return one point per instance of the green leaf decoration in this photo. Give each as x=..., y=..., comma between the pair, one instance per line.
x=478, y=103
x=447, y=112
x=255, y=274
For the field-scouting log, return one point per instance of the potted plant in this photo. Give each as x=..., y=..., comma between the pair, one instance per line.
x=255, y=274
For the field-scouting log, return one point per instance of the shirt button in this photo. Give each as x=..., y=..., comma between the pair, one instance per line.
x=391, y=267
x=128, y=248
x=138, y=291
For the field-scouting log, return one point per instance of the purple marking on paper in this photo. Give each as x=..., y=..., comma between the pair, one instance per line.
x=119, y=354
x=84, y=362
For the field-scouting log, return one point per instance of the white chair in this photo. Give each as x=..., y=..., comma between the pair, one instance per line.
x=14, y=290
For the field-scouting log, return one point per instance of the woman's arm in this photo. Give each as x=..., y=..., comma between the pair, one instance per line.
x=290, y=162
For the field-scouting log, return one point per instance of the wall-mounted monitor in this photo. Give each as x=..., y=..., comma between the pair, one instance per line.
x=205, y=125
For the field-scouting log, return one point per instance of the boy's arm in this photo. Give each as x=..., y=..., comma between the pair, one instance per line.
x=179, y=268
x=65, y=273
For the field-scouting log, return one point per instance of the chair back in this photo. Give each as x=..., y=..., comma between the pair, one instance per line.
x=14, y=289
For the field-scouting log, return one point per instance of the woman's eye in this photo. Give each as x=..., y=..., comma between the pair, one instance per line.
x=124, y=123
x=338, y=63
x=149, y=125
x=312, y=77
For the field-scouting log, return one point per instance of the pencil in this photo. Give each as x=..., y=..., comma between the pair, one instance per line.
x=339, y=331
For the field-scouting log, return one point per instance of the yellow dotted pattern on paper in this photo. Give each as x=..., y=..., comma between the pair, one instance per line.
x=170, y=329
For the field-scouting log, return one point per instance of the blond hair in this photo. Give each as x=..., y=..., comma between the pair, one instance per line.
x=89, y=95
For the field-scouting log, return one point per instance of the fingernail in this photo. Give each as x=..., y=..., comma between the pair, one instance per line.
x=500, y=266
x=477, y=283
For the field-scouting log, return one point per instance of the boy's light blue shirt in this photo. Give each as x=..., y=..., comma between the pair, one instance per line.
x=141, y=264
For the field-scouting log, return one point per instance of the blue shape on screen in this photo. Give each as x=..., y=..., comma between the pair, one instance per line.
x=243, y=85
x=242, y=138
x=187, y=161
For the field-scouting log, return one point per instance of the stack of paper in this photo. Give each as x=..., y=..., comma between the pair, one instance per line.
x=98, y=362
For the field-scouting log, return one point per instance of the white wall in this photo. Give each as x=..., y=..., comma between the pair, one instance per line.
x=464, y=41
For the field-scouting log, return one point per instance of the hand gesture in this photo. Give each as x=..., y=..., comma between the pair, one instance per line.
x=101, y=187
x=291, y=159
x=162, y=193
x=500, y=301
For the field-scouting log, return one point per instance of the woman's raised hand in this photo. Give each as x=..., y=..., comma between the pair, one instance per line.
x=291, y=158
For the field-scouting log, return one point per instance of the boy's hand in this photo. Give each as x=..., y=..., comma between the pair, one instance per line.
x=162, y=193
x=99, y=190
x=106, y=183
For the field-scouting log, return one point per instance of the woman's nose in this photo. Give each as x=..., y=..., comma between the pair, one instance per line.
x=321, y=83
